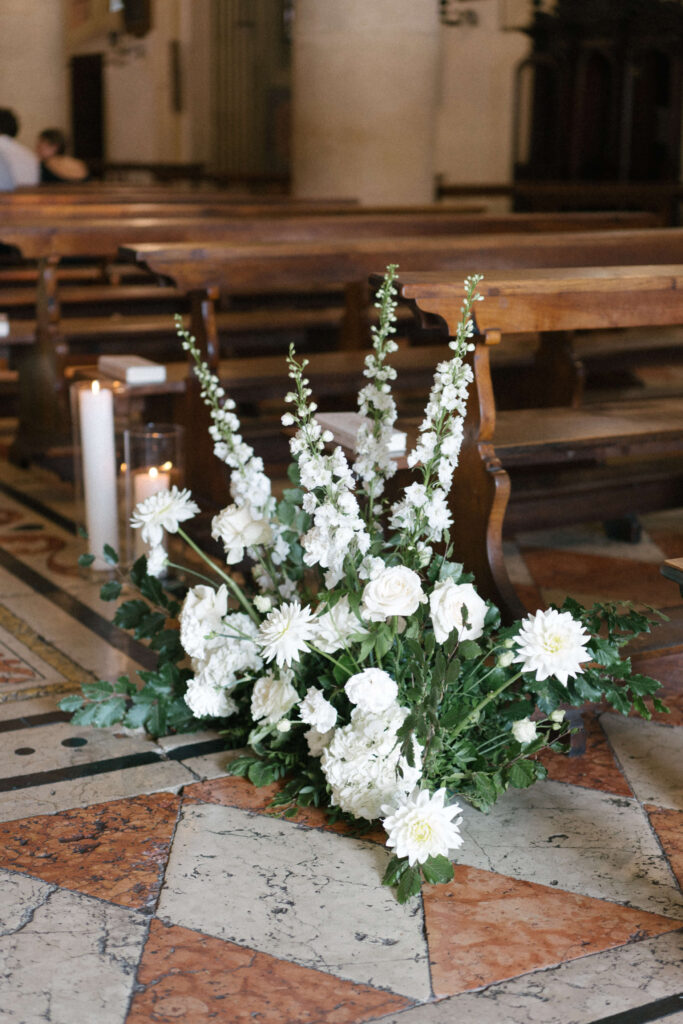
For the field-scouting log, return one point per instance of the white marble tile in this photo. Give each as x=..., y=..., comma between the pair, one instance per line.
x=651, y=755
x=577, y=839
x=62, y=745
x=65, y=958
x=27, y=707
x=311, y=897
x=208, y=766
x=164, y=776
x=578, y=992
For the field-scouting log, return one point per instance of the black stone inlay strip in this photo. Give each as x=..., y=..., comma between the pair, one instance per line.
x=114, y=636
x=658, y=1010
x=196, y=749
x=30, y=721
x=112, y=764
x=37, y=506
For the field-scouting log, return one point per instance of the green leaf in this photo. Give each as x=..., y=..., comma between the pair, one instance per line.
x=469, y=650
x=261, y=773
x=72, y=703
x=129, y=614
x=110, y=555
x=409, y=884
x=137, y=715
x=109, y=711
x=85, y=560
x=383, y=643
x=110, y=590
x=522, y=774
x=437, y=870
x=95, y=691
x=395, y=868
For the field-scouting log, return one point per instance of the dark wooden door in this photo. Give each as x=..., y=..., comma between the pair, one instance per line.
x=87, y=107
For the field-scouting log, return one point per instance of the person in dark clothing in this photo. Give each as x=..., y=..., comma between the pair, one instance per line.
x=56, y=166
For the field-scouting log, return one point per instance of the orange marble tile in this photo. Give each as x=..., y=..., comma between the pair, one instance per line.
x=577, y=573
x=186, y=976
x=668, y=824
x=233, y=791
x=596, y=769
x=116, y=851
x=484, y=927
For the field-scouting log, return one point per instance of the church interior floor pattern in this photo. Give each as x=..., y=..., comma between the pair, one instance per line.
x=140, y=883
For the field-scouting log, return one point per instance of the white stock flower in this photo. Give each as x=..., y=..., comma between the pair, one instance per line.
x=239, y=528
x=371, y=690
x=285, y=633
x=524, y=731
x=317, y=711
x=206, y=700
x=335, y=626
x=157, y=558
x=552, y=643
x=421, y=826
x=202, y=613
x=317, y=741
x=394, y=591
x=273, y=697
x=164, y=510
x=449, y=602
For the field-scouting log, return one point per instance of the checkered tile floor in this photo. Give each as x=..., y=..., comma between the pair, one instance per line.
x=141, y=883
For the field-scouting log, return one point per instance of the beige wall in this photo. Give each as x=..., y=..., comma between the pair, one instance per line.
x=32, y=65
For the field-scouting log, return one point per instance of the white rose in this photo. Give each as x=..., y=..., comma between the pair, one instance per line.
x=272, y=697
x=394, y=591
x=317, y=711
x=239, y=528
x=202, y=613
x=372, y=690
x=447, y=605
x=524, y=730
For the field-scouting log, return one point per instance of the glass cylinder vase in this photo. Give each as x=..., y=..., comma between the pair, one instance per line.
x=153, y=456
x=98, y=410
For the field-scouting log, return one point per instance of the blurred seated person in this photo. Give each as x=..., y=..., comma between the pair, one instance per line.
x=20, y=165
x=56, y=166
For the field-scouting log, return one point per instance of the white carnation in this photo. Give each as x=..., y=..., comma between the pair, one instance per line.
x=371, y=690
x=273, y=697
x=202, y=614
x=238, y=527
x=208, y=701
x=317, y=711
x=317, y=741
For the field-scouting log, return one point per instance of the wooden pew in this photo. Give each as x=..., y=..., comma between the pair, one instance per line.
x=204, y=272
x=534, y=467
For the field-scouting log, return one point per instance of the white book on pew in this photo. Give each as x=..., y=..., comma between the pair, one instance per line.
x=344, y=426
x=132, y=369
x=4, y=325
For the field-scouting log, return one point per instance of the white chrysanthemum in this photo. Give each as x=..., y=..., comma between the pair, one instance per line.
x=273, y=697
x=202, y=614
x=317, y=711
x=334, y=627
x=157, y=557
x=524, y=730
x=422, y=827
x=285, y=633
x=363, y=763
x=372, y=690
x=164, y=510
x=552, y=643
x=208, y=701
x=317, y=741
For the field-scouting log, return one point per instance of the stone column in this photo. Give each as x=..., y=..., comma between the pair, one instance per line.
x=365, y=78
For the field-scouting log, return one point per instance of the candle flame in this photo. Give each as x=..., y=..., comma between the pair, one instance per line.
x=95, y=387
x=153, y=472
x=167, y=466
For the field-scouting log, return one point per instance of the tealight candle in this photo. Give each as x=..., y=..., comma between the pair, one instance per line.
x=147, y=482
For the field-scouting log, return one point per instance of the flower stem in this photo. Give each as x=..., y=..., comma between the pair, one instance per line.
x=487, y=700
x=236, y=589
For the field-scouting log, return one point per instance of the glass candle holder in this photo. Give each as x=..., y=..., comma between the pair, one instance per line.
x=97, y=411
x=153, y=456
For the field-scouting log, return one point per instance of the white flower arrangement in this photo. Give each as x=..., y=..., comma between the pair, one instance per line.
x=356, y=659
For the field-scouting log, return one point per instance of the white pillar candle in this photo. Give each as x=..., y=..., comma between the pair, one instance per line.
x=96, y=413
x=147, y=482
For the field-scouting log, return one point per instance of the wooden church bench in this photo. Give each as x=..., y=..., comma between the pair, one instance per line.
x=606, y=460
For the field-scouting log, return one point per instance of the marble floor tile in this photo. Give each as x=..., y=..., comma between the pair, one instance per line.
x=188, y=976
x=28, y=706
x=299, y=894
x=64, y=957
x=591, y=539
x=483, y=928
x=63, y=745
x=576, y=839
x=595, y=769
x=116, y=851
x=579, y=992
x=651, y=756
x=159, y=776
x=668, y=825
